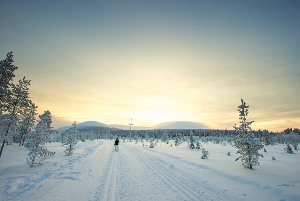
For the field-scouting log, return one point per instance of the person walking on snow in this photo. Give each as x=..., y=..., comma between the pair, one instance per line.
x=117, y=144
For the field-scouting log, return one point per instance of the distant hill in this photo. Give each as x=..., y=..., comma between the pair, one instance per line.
x=92, y=123
x=126, y=127
x=90, y=126
x=180, y=125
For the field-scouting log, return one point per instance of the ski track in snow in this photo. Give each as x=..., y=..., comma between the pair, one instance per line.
x=107, y=190
x=182, y=183
x=194, y=177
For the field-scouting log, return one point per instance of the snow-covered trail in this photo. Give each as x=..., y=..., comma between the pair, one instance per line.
x=145, y=172
x=95, y=172
x=147, y=177
x=207, y=182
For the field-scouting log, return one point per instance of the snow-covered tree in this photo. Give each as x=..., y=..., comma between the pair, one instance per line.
x=246, y=143
x=71, y=139
x=288, y=149
x=38, y=138
x=6, y=77
x=176, y=141
x=204, y=154
x=152, y=143
x=17, y=101
x=27, y=120
x=191, y=142
x=165, y=137
x=198, y=145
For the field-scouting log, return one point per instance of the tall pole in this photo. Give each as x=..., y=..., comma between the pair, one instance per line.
x=130, y=124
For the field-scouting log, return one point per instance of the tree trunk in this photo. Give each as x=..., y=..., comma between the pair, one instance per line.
x=3, y=143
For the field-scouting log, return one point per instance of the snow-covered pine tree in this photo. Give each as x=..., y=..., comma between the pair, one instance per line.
x=288, y=149
x=6, y=77
x=71, y=139
x=38, y=138
x=27, y=118
x=176, y=140
x=165, y=136
x=246, y=143
x=17, y=101
x=191, y=145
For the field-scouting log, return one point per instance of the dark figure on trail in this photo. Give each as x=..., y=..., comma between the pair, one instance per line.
x=117, y=144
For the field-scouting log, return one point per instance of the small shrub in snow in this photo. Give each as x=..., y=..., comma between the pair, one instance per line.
x=151, y=145
x=204, y=154
x=198, y=145
x=288, y=149
x=176, y=141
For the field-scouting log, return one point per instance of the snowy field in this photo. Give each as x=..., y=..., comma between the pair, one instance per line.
x=95, y=172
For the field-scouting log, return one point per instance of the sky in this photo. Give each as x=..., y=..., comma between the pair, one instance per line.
x=158, y=61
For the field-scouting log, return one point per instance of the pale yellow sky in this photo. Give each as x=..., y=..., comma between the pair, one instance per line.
x=158, y=62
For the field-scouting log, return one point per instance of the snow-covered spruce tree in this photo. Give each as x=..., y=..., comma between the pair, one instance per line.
x=246, y=143
x=16, y=102
x=71, y=139
x=38, y=138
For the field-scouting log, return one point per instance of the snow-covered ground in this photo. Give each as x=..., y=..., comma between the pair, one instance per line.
x=95, y=172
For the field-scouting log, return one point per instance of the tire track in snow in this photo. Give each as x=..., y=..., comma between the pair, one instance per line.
x=167, y=176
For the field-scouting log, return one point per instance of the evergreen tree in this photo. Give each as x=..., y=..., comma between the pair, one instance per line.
x=198, y=145
x=165, y=137
x=288, y=149
x=37, y=140
x=176, y=140
x=6, y=77
x=27, y=122
x=246, y=143
x=204, y=154
x=192, y=145
x=71, y=140
x=16, y=103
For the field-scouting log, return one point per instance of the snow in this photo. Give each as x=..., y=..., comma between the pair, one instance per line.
x=96, y=172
